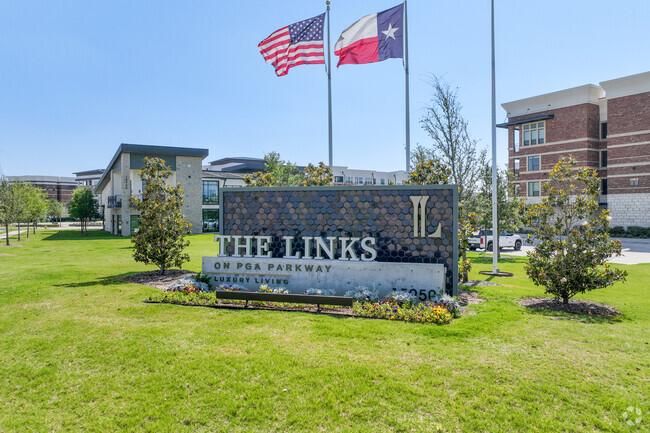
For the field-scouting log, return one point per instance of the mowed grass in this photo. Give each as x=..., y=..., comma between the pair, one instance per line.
x=80, y=351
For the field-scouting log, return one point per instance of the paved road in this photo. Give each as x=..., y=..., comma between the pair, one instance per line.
x=634, y=251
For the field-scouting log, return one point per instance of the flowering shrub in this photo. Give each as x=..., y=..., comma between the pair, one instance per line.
x=363, y=294
x=450, y=304
x=266, y=289
x=188, y=284
x=319, y=292
x=402, y=297
x=231, y=288
x=425, y=312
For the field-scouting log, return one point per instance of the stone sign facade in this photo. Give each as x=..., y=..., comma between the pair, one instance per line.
x=390, y=238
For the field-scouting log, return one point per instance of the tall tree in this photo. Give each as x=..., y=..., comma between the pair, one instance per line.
x=452, y=144
x=572, y=234
x=83, y=207
x=160, y=236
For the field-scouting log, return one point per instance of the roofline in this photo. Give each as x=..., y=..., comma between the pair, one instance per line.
x=522, y=121
x=144, y=148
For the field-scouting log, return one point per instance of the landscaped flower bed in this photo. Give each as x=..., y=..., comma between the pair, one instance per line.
x=397, y=306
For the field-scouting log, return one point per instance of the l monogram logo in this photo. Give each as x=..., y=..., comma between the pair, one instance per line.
x=420, y=218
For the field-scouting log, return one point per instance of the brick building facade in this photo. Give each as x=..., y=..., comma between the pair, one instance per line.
x=55, y=187
x=605, y=127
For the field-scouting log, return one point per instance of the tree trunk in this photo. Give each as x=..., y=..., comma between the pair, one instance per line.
x=565, y=301
x=465, y=276
x=34, y=227
x=7, y=232
x=27, y=230
x=162, y=270
x=18, y=230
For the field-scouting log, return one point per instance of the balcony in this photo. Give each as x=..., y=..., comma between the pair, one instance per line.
x=114, y=201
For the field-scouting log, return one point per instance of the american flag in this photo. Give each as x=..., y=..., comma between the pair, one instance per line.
x=297, y=44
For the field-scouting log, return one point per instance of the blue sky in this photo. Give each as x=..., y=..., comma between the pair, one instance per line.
x=80, y=77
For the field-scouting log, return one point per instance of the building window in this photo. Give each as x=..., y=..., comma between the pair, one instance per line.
x=515, y=144
x=603, y=130
x=517, y=189
x=210, y=192
x=338, y=179
x=348, y=179
x=382, y=181
x=603, y=158
x=368, y=181
x=533, y=133
x=533, y=189
x=634, y=182
x=358, y=180
x=603, y=186
x=210, y=220
x=533, y=163
x=516, y=166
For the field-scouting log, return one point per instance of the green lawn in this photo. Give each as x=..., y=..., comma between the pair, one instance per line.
x=80, y=351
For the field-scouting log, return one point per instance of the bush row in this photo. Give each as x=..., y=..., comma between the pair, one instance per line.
x=630, y=232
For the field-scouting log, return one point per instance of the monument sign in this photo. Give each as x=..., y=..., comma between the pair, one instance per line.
x=394, y=238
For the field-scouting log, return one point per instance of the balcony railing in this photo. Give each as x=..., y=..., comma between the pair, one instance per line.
x=210, y=199
x=114, y=201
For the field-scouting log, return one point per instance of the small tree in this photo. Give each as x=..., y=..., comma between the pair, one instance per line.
x=572, y=234
x=160, y=236
x=427, y=170
x=260, y=179
x=317, y=175
x=509, y=204
x=20, y=192
x=276, y=173
x=83, y=207
x=54, y=210
x=9, y=205
x=35, y=206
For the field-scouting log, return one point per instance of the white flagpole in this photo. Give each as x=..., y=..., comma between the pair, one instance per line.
x=406, y=84
x=495, y=227
x=329, y=85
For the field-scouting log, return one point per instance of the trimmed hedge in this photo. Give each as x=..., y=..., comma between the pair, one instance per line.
x=630, y=232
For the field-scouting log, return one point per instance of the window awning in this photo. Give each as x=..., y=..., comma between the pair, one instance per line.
x=528, y=120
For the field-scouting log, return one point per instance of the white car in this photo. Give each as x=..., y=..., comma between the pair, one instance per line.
x=484, y=241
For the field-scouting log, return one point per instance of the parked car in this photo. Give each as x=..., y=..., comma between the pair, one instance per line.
x=211, y=224
x=484, y=241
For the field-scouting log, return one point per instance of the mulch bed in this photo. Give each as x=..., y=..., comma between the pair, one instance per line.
x=154, y=279
x=586, y=308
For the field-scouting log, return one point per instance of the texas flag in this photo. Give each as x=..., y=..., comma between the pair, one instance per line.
x=373, y=38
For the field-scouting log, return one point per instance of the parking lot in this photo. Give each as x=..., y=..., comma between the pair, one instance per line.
x=634, y=251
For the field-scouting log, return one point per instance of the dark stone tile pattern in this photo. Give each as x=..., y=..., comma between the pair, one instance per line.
x=386, y=215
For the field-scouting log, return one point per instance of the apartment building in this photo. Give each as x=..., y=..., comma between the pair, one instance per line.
x=55, y=187
x=605, y=127
x=121, y=180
